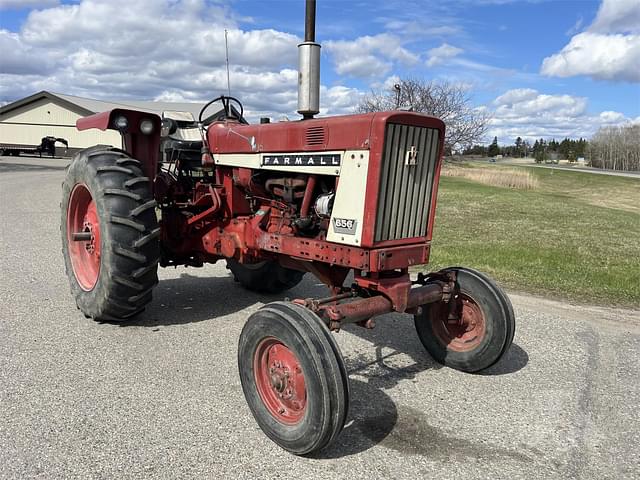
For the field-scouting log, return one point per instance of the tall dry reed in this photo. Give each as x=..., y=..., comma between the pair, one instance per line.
x=497, y=177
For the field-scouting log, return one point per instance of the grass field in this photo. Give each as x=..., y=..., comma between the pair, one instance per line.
x=576, y=236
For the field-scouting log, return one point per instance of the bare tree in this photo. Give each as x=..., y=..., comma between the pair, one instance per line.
x=450, y=102
x=616, y=148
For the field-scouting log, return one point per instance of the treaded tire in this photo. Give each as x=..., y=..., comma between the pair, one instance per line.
x=323, y=370
x=266, y=277
x=497, y=315
x=129, y=233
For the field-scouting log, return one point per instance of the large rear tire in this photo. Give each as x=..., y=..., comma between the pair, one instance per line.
x=482, y=334
x=293, y=377
x=266, y=277
x=110, y=234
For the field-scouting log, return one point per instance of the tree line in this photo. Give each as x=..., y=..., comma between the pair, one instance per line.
x=616, y=148
x=612, y=148
x=541, y=149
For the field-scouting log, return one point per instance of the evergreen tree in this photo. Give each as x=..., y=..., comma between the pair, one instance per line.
x=540, y=151
x=519, y=144
x=494, y=149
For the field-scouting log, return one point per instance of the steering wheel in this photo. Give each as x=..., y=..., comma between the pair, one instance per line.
x=226, y=103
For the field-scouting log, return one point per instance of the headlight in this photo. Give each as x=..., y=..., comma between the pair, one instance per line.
x=146, y=126
x=121, y=122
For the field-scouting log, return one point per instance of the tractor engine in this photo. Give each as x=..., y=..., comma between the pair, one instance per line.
x=355, y=191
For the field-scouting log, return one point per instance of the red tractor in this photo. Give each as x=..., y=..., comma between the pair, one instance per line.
x=328, y=196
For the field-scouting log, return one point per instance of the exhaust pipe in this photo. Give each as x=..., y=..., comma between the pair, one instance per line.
x=309, y=66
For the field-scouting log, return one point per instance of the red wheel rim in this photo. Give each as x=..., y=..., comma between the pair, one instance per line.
x=464, y=333
x=280, y=381
x=83, y=237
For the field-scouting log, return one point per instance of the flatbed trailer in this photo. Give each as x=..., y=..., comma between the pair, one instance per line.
x=15, y=149
x=47, y=146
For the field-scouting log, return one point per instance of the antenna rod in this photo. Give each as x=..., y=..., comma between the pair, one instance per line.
x=226, y=46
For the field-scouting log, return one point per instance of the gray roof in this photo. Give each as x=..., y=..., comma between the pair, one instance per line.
x=87, y=106
x=97, y=106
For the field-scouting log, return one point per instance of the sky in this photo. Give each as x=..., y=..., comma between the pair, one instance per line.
x=540, y=68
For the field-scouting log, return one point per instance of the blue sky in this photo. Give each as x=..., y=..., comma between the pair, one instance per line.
x=541, y=68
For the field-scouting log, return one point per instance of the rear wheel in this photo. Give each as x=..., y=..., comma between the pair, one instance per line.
x=267, y=276
x=483, y=331
x=109, y=234
x=293, y=377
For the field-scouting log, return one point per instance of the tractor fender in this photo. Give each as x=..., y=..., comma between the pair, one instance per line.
x=142, y=146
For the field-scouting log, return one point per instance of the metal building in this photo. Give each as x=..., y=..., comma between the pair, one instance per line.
x=27, y=121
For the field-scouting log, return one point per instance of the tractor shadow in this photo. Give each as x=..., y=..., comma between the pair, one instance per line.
x=374, y=418
x=192, y=299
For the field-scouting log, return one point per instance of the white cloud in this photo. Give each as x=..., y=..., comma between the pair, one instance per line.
x=604, y=57
x=18, y=58
x=387, y=84
x=530, y=114
x=619, y=16
x=75, y=49
x=339, y=100
x=610, y=117
x=9, y=4
x=608, y=50
x=369, y=56
x=441, y=54
x=515, y=96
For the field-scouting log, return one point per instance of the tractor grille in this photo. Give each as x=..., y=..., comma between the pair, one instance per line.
x=405, y=190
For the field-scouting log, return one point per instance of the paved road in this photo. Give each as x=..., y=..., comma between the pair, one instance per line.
x=573, y=168
x=160, y=396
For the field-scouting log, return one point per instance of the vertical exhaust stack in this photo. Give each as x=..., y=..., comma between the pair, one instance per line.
x=309, y=66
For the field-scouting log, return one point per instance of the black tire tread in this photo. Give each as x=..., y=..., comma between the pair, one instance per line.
x=129, y=230
x=128, y=222
x=134, y=181
x=114, y=168
x=143, y=208
x=130, y=254
x=122, y=193
x=128, y=161
x=128, y=283
x=147, y=238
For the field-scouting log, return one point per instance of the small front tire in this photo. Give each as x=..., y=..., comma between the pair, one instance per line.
x=293, y=377
x=483, y=332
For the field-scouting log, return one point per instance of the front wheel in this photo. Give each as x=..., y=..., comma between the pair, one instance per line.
x=483, y=330
x=293, y=377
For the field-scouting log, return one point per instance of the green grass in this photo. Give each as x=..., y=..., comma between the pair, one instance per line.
x=575, y=237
